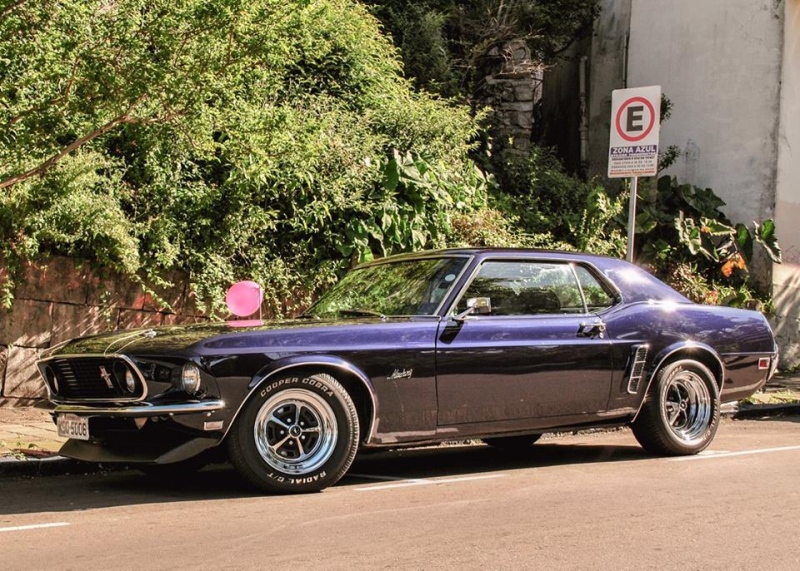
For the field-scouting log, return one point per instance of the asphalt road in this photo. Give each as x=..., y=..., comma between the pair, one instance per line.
x=572, y=502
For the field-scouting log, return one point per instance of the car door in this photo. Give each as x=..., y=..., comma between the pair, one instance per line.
x=536, y=350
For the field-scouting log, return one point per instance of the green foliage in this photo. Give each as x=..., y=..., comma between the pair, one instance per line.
x=443, y=42
x=542, y=194
x=687, y=240
x=233, y=139
x=681, y=233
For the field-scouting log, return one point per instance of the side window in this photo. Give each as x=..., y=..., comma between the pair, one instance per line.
x=598, y=297
x=526, y=288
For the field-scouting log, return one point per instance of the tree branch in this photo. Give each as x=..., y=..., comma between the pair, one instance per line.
x=12, y=7
x=120, y=119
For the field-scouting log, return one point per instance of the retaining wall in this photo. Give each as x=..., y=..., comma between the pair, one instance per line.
x=64, y=298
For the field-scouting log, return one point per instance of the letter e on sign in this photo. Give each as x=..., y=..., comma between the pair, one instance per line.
x=633, y=148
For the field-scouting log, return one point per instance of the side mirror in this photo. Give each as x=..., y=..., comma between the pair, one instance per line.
x=475, y=305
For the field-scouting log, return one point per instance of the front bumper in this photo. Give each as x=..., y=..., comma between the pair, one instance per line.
x=142, y=410
x=146, y=433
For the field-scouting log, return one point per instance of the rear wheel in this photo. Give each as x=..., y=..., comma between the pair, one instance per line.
x=680, y=415
x=295, y=434
x=513, y=443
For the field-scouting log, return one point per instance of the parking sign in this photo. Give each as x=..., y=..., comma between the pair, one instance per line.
x=633, y=148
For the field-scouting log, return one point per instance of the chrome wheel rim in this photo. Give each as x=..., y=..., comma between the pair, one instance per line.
x=295, y=431
x=687, y=406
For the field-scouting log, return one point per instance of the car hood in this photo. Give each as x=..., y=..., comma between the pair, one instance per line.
x=199, y=338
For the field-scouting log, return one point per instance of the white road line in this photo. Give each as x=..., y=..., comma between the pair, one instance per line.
x=385, y=478
x=711, y=454
x=410, y=483
x=38, y=526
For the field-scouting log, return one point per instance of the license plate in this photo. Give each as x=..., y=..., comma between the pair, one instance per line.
x=71, y=426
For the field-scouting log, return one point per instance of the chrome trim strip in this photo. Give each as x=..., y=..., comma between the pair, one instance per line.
x=142, y=409
x=533, y=258
x=41, y=362
x=341, y=366
x=638, y=362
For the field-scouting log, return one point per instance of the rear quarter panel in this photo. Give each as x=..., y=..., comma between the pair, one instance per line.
x=734, y=338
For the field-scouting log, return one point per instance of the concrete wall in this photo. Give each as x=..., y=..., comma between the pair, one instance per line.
x=786, y=277
x=607, y=73
x=64, y=298
x=719, y=61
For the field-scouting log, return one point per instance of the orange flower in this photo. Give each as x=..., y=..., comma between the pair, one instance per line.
x=735, y=261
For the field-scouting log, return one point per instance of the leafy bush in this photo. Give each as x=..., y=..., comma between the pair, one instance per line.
x=681, y=233
x=443, y=42
x=261, y=139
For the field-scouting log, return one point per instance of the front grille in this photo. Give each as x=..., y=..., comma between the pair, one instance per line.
x=92, y=379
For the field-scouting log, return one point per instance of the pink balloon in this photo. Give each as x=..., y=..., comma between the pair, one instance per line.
x=244, y=298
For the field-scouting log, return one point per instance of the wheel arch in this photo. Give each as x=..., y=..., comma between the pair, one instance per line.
x=686, y=350
x=354, y=380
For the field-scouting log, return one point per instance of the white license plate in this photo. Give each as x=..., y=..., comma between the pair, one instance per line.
x=71, y=426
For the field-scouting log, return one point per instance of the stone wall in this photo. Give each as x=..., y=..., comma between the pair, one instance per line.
x=511, y=87
x=65, y=298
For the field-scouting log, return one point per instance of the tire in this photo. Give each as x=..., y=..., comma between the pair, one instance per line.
x=680, y=414
x=513, y=443
x=296, y=434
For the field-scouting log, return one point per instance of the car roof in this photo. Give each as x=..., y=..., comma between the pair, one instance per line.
x=494, y=252
x=634, y=282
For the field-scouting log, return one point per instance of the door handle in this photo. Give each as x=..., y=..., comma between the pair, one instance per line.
x=592, y=330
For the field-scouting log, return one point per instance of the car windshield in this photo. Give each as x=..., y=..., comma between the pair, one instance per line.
x=411, y=287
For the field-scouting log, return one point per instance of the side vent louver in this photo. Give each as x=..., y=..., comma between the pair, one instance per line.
x=639, y=356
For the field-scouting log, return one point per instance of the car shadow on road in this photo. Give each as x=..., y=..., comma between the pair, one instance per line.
x=463, y=460
x=128, y=487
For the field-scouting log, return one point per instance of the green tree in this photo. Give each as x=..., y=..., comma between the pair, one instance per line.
x=231, y=138
x=443, y=42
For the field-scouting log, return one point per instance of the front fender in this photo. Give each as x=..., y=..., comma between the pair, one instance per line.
x=323, y=362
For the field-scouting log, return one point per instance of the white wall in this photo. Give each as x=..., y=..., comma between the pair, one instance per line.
x=786, y=277
x=719, y=61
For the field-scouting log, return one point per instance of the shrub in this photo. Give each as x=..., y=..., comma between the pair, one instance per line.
x=232, y=139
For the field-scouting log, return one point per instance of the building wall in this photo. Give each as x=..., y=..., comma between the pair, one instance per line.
x=64, y=298
x=606, y=72
x=719, y=61
x=786, y=277
x=732, y=71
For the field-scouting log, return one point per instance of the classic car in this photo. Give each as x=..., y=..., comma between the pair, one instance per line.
x=492, y=344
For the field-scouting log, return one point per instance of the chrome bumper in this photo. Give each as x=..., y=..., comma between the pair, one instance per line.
x=141, y=409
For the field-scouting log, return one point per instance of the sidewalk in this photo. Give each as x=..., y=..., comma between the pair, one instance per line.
x=29, y=442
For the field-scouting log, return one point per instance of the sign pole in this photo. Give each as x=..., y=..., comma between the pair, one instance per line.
x=633, y=142
x=632, y=217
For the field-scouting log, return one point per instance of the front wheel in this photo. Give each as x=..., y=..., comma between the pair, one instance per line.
x=295, y=434
x=680, y=415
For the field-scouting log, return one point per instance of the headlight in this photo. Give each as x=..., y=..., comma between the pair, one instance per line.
x=130, y=381
x=190, y=378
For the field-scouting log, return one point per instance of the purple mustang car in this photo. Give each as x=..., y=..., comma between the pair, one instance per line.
x=501, y=345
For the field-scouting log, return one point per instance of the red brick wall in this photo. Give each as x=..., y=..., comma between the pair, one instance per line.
x=65, y=298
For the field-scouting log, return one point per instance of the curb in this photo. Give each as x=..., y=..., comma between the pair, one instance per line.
x=52, y=466
x=60, y=466
x=32, y=467
x=756, y=411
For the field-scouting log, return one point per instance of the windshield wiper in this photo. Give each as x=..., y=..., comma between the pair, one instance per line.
x=362, y=312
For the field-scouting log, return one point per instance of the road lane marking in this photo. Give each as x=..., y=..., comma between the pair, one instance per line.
x=37, y=526
x=386, y=478
x=410, y=483
x=711, y=454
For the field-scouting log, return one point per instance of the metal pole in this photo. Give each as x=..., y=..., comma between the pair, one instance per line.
x=632, y=217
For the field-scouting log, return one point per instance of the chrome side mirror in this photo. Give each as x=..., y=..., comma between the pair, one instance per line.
x=475, y=305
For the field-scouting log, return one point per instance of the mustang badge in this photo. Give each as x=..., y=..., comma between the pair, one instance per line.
x=106, y=377
x=400, y=374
